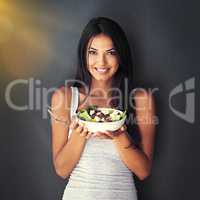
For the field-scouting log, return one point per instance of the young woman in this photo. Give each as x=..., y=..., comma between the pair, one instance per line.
x=101, y=165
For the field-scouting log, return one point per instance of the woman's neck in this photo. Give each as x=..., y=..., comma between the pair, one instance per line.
x=100, y=88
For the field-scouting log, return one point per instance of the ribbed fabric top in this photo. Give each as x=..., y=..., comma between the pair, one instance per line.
x=100, y=173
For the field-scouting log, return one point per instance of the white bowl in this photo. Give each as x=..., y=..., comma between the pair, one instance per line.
x=102, y=126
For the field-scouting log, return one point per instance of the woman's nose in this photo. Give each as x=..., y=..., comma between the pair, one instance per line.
x=101, y=60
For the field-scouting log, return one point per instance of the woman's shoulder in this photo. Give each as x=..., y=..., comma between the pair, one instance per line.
x=144, y=100
x=61, y=96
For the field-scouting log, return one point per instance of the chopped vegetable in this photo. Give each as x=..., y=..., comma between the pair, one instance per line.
x=92, y=113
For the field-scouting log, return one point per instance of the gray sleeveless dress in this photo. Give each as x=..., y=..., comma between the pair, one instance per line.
x=100, y=174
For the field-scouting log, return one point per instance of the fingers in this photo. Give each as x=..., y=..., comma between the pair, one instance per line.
x=89, y=135
x=103, y=136
x=83, y=131
x=97, y=134
x=110, y=133
x=124, y=127
x=100, y=135
x=80, y=129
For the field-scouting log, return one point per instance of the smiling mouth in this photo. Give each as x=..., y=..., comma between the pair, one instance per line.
x=101, y=69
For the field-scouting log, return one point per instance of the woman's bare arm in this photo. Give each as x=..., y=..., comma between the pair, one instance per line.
x=66, y=152
x=140, y=160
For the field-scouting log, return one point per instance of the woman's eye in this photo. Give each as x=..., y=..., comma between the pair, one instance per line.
x=92, y=52
x=112, y=52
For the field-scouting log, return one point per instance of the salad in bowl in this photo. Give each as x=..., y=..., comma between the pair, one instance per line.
x=101, y=119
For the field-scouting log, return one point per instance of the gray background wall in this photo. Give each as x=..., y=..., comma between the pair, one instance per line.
x=39, y=41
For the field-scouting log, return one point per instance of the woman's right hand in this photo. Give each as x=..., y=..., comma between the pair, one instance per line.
x=80, y=129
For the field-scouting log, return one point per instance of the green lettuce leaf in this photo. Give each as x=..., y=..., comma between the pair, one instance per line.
x=83, y=114
x=123, y=114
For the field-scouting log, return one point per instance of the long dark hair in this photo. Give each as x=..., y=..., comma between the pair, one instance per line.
x=124, y=73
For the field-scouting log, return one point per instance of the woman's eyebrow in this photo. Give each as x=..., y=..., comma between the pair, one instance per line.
x=106, y=50
x=111, y=49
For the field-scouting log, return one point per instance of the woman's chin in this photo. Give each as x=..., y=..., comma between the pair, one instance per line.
x=101, y=78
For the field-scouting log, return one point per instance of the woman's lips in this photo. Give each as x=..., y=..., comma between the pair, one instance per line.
x=101, y=69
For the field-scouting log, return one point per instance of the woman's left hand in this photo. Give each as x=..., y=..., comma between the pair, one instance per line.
x=110, y=134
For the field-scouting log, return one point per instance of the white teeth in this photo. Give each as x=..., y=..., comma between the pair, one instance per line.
x=101, y=69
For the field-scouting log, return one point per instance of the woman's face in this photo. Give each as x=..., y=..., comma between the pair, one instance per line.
x=102, y=58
